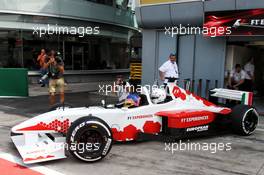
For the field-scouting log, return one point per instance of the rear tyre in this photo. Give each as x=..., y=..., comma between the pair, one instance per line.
x=60, y=106
x=244, y=119
x=89, y=139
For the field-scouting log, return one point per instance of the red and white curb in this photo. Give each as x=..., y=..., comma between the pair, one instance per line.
x=12, y=165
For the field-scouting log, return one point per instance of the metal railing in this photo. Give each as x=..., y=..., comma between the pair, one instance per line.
x=196, y=86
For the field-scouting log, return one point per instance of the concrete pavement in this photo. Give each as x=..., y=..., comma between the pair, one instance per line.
x=246, y=156
x=37, y=90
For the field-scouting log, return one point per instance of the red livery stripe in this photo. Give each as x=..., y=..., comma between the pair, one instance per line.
x=187, y=118
x=56, y=125
x=10, y=168
x=38, y=158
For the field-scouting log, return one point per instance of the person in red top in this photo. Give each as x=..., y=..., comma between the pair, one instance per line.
x=43, y=71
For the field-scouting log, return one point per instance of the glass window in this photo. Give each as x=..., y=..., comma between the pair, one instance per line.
x=119, y=55
x=32, y=45
x=21, y=49
x=94, y=53
x=10, y=48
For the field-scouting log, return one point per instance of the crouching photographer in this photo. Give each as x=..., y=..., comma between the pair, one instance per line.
x=55, y=67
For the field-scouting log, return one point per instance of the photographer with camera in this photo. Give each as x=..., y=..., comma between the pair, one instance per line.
x=55, y=67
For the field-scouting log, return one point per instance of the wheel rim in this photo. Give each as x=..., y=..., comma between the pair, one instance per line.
x=250, y=121
x=93, y=142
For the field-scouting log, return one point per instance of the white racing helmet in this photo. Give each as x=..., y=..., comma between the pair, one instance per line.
x=158, y=95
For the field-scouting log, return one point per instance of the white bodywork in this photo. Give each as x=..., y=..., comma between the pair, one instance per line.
x=243, y=96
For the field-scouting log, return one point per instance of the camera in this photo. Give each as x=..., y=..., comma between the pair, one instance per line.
x=43, y=78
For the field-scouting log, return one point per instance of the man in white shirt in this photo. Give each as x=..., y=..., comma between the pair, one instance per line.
x=169, y=70
x=237, y=78
x=250, y=71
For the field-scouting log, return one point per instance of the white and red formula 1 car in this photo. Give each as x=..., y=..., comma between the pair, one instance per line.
x=88, y=132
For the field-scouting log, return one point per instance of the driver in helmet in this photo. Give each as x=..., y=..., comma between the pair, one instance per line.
x=158, y=95
x=133, y=99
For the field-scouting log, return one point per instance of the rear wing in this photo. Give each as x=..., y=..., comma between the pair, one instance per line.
x=246, y=98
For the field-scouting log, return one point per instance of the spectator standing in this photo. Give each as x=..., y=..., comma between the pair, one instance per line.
x=237, y=78
x=55, y=68
x=169, y=70
x=43, y=71
x=250, y=71
x=121, y=88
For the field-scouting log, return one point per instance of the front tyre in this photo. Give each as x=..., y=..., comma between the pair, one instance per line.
x=89, y=139
x=244, y=119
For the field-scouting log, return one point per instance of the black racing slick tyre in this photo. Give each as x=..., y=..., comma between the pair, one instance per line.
x=89, y=139
x=60, y=106
x=244, y=119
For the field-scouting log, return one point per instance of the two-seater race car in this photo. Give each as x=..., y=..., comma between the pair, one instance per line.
x=88, y=132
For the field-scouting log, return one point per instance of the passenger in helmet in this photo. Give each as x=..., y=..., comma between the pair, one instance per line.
x=158, y=96
x=133, y=98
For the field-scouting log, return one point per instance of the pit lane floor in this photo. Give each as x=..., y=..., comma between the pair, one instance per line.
x=245, y=157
